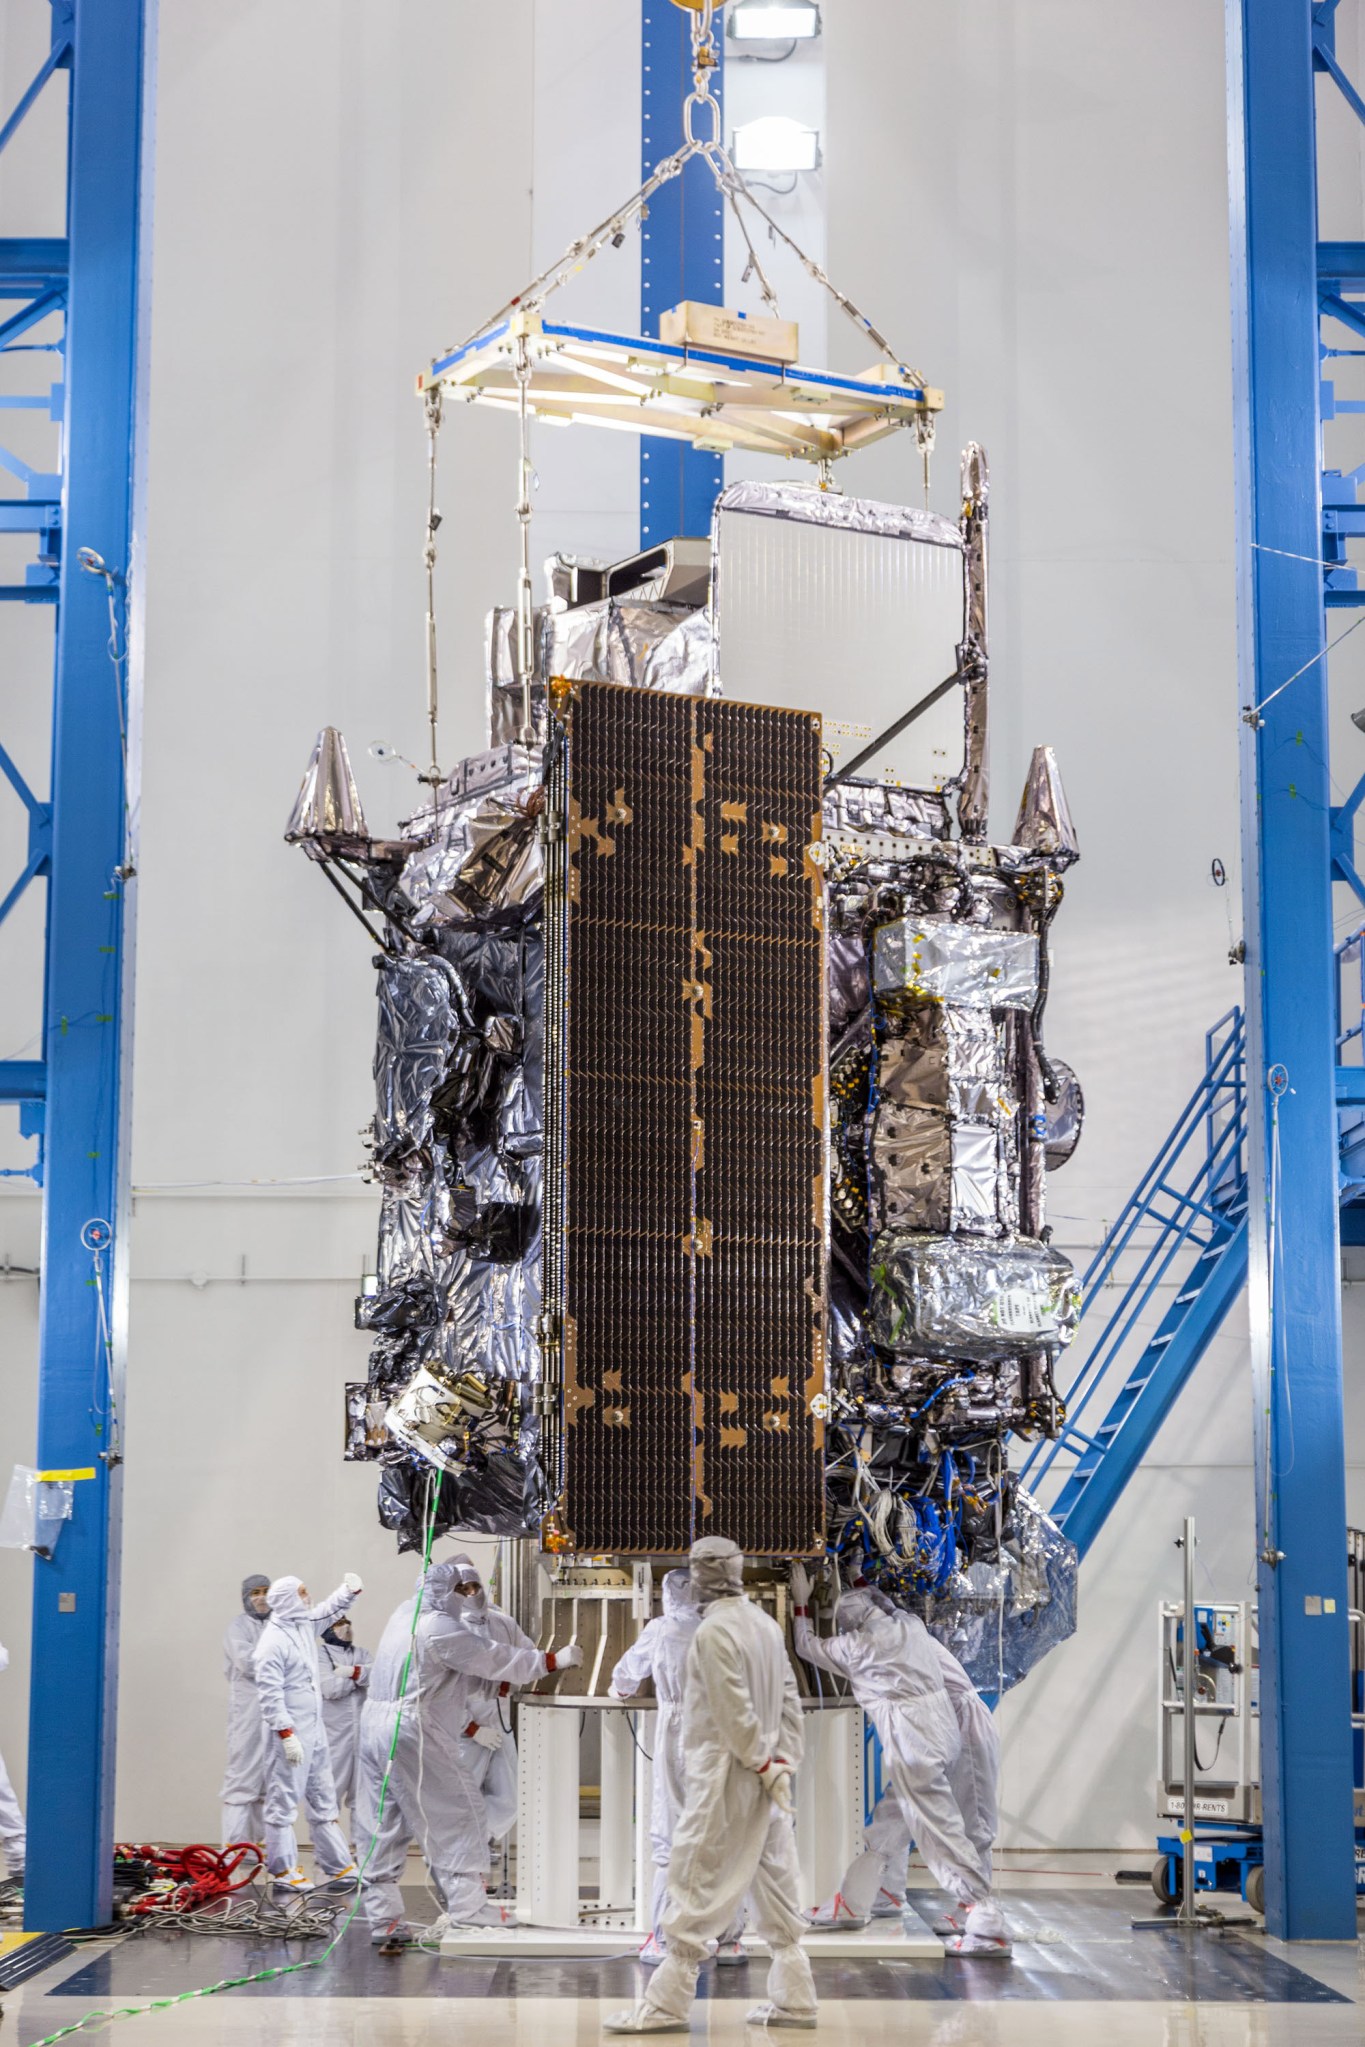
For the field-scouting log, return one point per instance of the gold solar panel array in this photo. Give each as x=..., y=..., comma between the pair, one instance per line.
x=686, y=1186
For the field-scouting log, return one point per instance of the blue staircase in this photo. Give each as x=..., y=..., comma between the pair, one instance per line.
x=1185, y=1225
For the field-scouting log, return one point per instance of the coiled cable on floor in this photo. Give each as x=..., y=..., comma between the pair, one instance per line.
x=312, y=1915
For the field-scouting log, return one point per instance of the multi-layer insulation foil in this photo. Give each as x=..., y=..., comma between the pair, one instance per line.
x=687, y=1122
x=1001, y=1617
x=451, y=1400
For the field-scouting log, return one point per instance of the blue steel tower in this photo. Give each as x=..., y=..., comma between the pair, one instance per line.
x=83, y=295
x=1291, y=835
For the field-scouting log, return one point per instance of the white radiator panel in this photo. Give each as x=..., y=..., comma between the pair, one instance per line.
x=857, y=626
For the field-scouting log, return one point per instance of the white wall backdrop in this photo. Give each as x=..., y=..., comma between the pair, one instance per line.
x=1030, y=197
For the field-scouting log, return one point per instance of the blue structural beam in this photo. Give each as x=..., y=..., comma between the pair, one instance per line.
x=30, y=264
x=682, y=256
x=1341, y=263
x=58, y=57
x=22, y=1080
x=1294, y=1266
x=87, y=1036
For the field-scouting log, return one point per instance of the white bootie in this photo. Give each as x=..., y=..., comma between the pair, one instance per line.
x=290, y=1880
x=836, y=1916
x=774, y=2015
x=984, y=1933
x=400, y=1934
x=652, y=1953
x=888, y=1905
x=643, y=2018
x=952, y=1922
x=486, y=1914
x=730, y=1954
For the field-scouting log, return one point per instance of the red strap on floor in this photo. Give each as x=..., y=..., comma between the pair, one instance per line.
x=195, y=1875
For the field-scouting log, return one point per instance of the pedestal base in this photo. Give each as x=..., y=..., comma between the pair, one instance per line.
x=883, y=1941
x=829, y=1808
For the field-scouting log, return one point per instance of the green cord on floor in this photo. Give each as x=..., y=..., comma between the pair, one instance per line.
x=137, y=2011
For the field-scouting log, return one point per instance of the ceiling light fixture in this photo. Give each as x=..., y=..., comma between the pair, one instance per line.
x=774, y=21
x=776, y=143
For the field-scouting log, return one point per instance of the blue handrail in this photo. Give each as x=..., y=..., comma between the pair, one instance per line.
x=1193, y=1196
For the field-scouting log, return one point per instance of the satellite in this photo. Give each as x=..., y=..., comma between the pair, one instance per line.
x=714, y=1111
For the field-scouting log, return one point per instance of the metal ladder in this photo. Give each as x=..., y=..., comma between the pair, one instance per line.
x=1187, y=1217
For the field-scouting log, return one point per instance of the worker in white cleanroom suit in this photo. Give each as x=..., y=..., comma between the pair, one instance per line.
x=11, y=1818
x=893, y=1665
x=975, y=1781
x=418, y=1712
x=378, y=1811
x=743, y=1737
x=492, y=1752
x=343, y=1672
x=243, y=1789
x=661, y=1654
x=298, y=1769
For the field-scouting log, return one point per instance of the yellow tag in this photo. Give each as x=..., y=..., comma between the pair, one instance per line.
x=59, y=1477
x=1184, y=1836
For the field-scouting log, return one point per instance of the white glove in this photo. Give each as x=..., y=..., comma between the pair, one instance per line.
x=353, y=1582
x=293, y=1748
x=777, y=1778
x=800, y=1584
x=567, y=1659
x=489, y=1738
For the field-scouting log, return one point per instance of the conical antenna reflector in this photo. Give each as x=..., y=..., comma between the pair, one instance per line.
x=1044, y=823
x=328, y=803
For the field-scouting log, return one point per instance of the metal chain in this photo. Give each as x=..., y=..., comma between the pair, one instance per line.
x=704, y=62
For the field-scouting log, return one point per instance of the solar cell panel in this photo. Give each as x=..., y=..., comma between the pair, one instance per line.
x=686, y=1127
